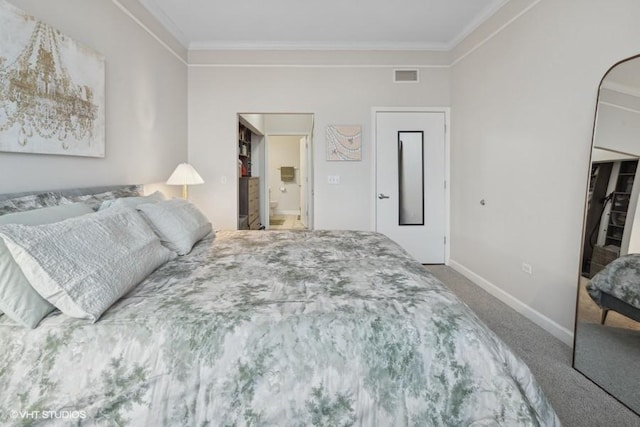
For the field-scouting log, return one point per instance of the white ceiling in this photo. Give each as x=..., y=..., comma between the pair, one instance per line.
x=326, y=24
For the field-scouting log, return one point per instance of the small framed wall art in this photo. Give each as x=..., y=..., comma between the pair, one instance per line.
x=344, y=142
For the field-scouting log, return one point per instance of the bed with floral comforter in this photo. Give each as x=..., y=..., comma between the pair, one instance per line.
x=288, y=328
x=621, y=279
x=617, y=287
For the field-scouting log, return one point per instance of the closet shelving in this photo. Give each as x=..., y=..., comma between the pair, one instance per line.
x=620, y=203
x=244, y=149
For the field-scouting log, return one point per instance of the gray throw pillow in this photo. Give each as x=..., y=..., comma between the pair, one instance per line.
x=177, y=222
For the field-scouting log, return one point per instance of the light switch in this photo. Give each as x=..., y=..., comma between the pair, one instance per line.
x=333, y=179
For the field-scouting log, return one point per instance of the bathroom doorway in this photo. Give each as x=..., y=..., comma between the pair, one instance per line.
x=286, y=181
x=282, y=167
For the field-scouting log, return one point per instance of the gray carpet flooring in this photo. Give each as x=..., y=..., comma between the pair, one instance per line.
x=611, y=358
x=577, y=401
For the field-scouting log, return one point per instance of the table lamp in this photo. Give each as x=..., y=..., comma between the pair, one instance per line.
x=185, y=175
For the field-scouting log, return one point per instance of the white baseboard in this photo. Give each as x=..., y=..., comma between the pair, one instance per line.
x=555, y=329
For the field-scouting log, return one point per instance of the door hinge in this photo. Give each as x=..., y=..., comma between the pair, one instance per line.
x=445, y=240
x=445, y=185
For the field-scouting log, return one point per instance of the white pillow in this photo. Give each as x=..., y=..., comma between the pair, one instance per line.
x=178, y=223
x=18, y=300
x=132, y=202
x=85, y=264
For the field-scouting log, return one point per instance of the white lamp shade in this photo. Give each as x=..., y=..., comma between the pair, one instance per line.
x=185, y=174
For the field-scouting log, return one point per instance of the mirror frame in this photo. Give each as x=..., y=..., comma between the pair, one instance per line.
x=584, y=226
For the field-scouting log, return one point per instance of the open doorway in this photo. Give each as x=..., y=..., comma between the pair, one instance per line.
x=286, y=181
x=275, y=172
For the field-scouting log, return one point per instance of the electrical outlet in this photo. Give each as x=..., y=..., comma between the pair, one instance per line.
x=527, y=268
x=333, y=179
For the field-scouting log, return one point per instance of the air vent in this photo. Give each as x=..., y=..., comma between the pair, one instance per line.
x=405, y=76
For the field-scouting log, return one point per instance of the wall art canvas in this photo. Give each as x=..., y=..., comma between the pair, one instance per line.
x=344, y=142
x=52, y=91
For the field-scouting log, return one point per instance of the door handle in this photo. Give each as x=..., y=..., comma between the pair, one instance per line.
x=382, y=196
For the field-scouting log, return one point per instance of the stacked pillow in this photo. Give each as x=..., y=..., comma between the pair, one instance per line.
x=83, y=265
x=18, y=299
x=178, y=223
x=59, y=257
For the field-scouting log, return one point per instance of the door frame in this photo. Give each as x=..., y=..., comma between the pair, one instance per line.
x=447, y=163
x=309, y=165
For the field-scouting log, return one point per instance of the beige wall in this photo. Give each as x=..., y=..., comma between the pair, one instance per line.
x=528, y=91
x=334, y=94
x=523, y=85
x=146, y=103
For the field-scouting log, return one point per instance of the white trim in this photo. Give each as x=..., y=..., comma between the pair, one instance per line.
x=447, y=167
x=172, y=29
x=295, y=46
x=555, y=329
x=476, y=23
x=167, y=23
x=620, y=107
x=494, y=33
x=447, y=192
x=148, y=30
x=204, y=65
x=620, y=88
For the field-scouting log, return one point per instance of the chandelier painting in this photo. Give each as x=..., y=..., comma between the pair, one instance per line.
x=51, y=89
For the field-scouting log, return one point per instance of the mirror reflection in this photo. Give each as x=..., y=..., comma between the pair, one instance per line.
x=607, y=333
x=410, y=172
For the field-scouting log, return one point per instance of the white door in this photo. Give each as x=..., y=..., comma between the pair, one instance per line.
x=410, y=182
x=304, y=209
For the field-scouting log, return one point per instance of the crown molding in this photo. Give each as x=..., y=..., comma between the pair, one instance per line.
x=291, y=46
x=127, y=11
x=280, y=65
x=492, y=34
x=619, y=107
x=475, y=24
x=620, y=88
x=172, y=29
x=166, y=22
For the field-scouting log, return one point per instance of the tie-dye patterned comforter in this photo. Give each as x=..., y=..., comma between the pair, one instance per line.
x=621, y=279
x=273, y=329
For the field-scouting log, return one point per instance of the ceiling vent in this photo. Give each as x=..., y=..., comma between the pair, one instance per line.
x=405, y=76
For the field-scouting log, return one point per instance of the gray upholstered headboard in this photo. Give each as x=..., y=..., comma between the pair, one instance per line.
x=93, y=196
x=74, y=192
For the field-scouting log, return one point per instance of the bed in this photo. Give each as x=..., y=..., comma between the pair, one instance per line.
x=617, y=287
x=265, y=328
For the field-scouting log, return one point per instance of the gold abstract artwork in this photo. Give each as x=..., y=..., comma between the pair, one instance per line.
x=51, y=89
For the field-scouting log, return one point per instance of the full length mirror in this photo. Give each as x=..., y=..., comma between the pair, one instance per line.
x=410, y=172
x=607, y=332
